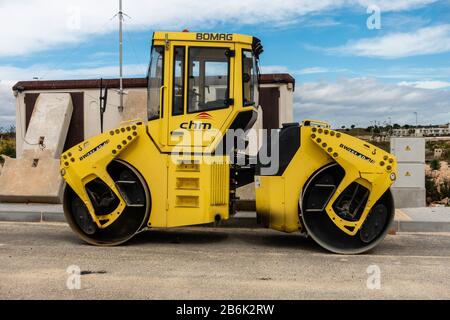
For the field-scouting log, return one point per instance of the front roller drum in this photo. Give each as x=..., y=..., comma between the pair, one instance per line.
x=349, y=206
x=132, y=220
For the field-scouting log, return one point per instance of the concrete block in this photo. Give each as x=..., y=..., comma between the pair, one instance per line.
x=25, y=180
x=35, y=177
x=246, y=192
x=135, y=106
x=409, y=197
x=242, y=219
x=437, y=214
x=50, y=120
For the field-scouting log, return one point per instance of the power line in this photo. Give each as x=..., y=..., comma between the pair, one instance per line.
x=133, y=47
x=65, y=58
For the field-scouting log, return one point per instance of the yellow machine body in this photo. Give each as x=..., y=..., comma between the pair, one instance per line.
x=183, y=191
x=166, y=172
x=321, y=146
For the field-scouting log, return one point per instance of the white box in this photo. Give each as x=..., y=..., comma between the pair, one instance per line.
x=410, y=175
x=408, y=149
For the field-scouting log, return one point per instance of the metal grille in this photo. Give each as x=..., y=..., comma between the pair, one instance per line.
x=219, y=185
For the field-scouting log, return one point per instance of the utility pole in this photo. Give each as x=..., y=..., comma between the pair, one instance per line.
x=417, y=124
x=391, y=128
x=121, y=93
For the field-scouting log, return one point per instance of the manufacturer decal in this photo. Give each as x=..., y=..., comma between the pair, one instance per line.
x=98, y=148
x=214, y=36
x=356, y=153
x=196, y=125
x=204, y=116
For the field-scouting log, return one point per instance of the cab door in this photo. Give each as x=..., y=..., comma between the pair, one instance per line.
x=201, y=98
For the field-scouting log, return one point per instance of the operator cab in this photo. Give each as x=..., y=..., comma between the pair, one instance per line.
x=199, y=86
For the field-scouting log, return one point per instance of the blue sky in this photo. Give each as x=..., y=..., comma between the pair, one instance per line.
x=346, y=73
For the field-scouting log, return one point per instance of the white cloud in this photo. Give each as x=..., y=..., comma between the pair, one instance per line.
x=7, y=108
x=8, y=72
x=33, y=26
x=424, y=41
x=361, y=100
x=427, y=84
x=304, y=71
x=408, y=74
x=313, y=70
x=274, y=69
x=395, y=5
x=320, y=23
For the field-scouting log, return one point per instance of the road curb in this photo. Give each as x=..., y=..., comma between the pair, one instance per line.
x=423, y=226
x=25, y=213
x=53, y=217
x=32, y=213
x=20, y=216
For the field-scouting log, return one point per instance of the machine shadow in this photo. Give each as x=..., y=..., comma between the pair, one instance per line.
x=294, y=241
x=186, y=236
x=177, y=236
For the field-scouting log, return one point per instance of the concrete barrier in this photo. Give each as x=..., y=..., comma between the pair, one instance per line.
x=135, y=106
x=24, y=181
x=50, y=122
x=35, y=177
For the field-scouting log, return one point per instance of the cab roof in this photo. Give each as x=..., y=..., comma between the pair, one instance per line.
x=204, y=37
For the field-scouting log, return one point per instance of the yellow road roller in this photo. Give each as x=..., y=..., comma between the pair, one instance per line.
x=182, y=165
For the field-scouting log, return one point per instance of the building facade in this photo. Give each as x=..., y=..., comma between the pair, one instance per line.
x=439, y=131
x=276, y=100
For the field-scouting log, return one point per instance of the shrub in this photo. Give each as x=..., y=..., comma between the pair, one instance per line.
x=444, y=189
x=435, y=165
x=7, y=148
x=433, y=194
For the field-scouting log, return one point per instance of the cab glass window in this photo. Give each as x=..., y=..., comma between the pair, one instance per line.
x=249, y=79
x=208, y=79
x=178, y=81
x=155, y=82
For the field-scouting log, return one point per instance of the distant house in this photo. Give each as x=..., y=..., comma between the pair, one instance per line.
x=438, y=131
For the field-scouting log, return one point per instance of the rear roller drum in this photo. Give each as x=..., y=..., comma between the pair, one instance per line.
x=132, y=220
x=349, y=206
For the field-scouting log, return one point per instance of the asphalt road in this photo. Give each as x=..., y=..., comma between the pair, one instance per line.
x=204, y=263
